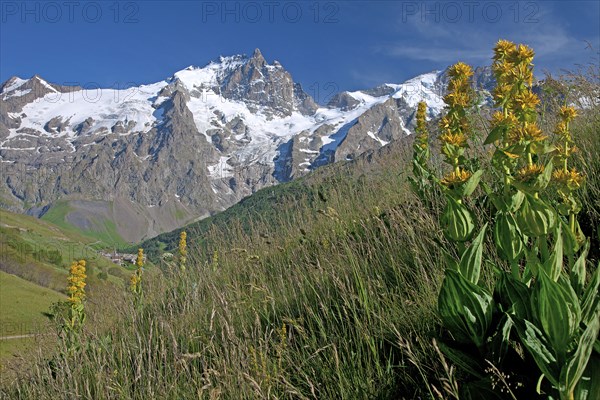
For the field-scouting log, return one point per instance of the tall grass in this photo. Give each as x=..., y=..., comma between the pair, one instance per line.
x=331, y=294
x=318, y=301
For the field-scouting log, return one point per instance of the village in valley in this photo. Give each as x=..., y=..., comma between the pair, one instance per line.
x=120, y=258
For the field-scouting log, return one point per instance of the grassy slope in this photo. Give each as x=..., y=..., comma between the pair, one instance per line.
x=41, y=252
x=34, y=260
x=23, y=304
x=303, y=288
x=322, y=288
x=104, y=232
x=22, y=308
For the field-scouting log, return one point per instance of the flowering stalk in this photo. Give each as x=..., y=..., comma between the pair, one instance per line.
x=182, y=250
x=455, y=125
x=421, y=173
x=520, y=143
x=567, y=180
x=422, y=135
x=514, y=129
x=135, y=282
x=73, y=325
x=457, y=220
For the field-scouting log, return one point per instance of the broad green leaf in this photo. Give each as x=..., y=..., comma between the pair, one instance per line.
x=563, y=209
x=513, y=296
x=541, y=148
x=573, y=370
x=558, y=315
x=418, y=169
x=532, y=264
x=471, y=184
x=451, y=263
x=465, y=308
x=540, y=182
x=535, y=218
x=570, y=244
x=543, y=179
x=540, y=349
x=452, y=151
x=496, y=200
x=495, y=134
x=516, y=200
x=500, y=341
x=554, y=263
x=572, y=303
x=516, y=149
x=578, y=272
x=457, y=221
x=507, y=237
x=591, y=297
x=579, y=235
x=470, y=262
x=588, y=387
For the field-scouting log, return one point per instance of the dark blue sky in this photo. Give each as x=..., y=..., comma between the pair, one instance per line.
x=352, y=44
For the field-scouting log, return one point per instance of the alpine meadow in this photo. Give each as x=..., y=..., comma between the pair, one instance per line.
x=233, y=232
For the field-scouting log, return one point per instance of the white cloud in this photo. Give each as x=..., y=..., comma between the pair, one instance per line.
x=447, y=43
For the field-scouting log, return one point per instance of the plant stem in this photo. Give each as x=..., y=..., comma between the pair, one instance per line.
x=572, y=221
x=566, y=152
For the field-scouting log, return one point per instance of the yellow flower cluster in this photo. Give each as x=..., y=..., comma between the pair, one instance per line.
x=509, y=120
x=526, y=101
x=523, y=55
x=459, y=97
x=569, y=180
x=456, y=178
x=529, y=173
x=564, y=152
x=454, y=126
x=134, y=281
x=76, y=285
x=460, y=70
x=513, y=70
x=459, y=87
x=567, y=113
x=527, y=133
x=139, y=261
x=458, y=139
x=503, y=50
x=566, y=179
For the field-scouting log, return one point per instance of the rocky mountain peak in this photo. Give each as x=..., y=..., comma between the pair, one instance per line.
x=190, y=145
x=265, y=86
x=11, y=84
x=258, y=58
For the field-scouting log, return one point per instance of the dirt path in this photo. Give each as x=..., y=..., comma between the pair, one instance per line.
x=22, y=336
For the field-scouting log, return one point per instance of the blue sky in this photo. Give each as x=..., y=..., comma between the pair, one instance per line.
x=326, y=45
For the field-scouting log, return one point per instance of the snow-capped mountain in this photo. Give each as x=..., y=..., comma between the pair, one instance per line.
x=153, y=157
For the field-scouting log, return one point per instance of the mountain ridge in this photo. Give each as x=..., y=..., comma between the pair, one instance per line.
x=191, y=145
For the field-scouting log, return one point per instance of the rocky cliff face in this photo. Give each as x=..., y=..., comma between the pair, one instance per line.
x=160, y=155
